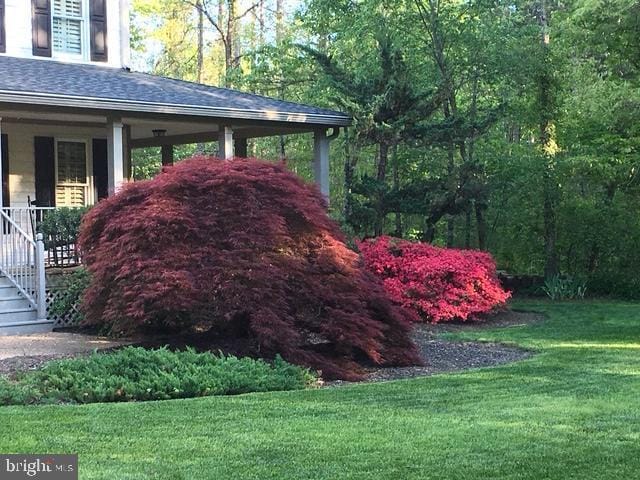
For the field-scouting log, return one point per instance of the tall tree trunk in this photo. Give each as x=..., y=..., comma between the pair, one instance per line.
x=467, y=228
x=550, y=229
x=481, y=223
x=279, y=39
x=261, y=26
x=230, y=47
x=279, y=21
x=349, y=167
x=396, y=186
x=432, y=23
x=383, y=160
x=549, y=185
x=282, y=148
x=429, y=232
x=231, y=52
x=450, y=218
x=200, y=40
x=223, y=40
x=200, y=147
x=381, y=176
x=480, y=204
x=237, y=44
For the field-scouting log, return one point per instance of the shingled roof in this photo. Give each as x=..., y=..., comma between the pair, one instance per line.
x=46, y=82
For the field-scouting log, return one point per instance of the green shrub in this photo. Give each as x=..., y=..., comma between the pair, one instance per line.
x=61, y=226
x=565, y=288
x=68, y=305
x=13, y=393
x=135, y=373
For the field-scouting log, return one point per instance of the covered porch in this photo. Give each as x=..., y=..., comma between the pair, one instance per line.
x=69, y=144
x=52, y=160
x=73, y=159
x=55, y=159
x=68, y=130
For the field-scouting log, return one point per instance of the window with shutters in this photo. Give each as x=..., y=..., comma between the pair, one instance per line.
x=69, y=28
x=72, y=180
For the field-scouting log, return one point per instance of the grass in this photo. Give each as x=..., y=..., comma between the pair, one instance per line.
x=570, y=412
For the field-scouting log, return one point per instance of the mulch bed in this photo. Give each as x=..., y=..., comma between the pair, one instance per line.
x=443, y=356
x=440, y=356
x=13, y=365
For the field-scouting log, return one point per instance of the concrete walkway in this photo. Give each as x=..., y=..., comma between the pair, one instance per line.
x=52, y=344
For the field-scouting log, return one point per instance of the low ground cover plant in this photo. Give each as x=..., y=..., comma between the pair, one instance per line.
x=242, y=249
x=435, y=284
x=565, y=288
x=135, y=373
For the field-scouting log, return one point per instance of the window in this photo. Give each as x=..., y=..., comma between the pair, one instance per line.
x=68, y=27
x=71, y=174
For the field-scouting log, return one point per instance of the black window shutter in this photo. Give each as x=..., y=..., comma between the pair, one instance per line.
x=5, y=170
x=100, y=169
x=45, y=171
x=98, y=20
x=41, y=27
x=3, y=32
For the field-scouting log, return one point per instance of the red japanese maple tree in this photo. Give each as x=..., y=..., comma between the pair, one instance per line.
x=435, y=284
x=241, y=248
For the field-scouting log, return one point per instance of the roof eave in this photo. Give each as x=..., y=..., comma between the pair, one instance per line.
x=128, y=106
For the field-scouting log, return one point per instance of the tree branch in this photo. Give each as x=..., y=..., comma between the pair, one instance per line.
x=198, y=6
x=247, y=11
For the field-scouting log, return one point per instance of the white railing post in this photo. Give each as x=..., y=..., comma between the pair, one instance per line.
x=41, y=286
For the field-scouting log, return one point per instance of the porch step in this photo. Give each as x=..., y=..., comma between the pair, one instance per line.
x=8, y=292
x=14, y=302
x=5, y=282
x=17, y=315
x=25, y=328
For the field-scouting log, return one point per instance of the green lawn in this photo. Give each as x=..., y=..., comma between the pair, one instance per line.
x=572, y=411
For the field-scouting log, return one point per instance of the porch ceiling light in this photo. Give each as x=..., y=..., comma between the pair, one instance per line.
x=159, y=132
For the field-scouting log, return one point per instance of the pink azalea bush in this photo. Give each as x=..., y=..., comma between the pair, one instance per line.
x=435, y=284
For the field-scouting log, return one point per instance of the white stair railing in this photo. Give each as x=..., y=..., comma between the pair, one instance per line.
x=61, y=249
x=28, y=218
x=22, y=262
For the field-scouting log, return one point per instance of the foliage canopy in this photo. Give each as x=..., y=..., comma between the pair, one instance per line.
x=244, y=249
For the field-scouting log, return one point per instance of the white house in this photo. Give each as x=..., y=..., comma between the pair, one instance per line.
x=71, y=111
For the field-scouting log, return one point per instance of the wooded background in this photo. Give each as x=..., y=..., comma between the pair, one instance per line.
x=508, y=126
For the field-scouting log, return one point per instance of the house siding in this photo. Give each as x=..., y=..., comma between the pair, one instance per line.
x=19, y=38
x=22, y=155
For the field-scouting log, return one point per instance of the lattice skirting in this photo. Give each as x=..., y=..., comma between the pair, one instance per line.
x=70, y=318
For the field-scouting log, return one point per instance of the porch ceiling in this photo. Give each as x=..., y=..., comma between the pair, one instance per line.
x=178, y=130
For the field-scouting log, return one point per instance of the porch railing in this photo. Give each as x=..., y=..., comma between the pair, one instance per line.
x=28, y=218
x=22, y=262
x=59, y=252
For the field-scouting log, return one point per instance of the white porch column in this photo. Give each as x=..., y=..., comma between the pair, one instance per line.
x=225, y=142
x=115, y=155
x=321, y=161
x=128, y=167
x=1, y=162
